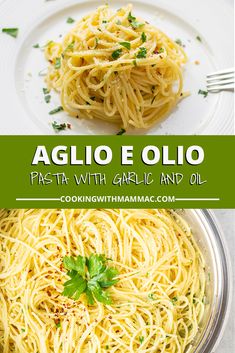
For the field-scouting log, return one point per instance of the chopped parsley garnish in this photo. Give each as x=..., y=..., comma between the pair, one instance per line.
x=45, y=90
x=134, y=23
x=204, y=93
x=37, y=46
x=121, y=132
x=199, y=38
x=90, y=276
x=70, y=20
x=174, y=300
x=47, y=98
x=58, y=325
x=179, y=42
x=23, y=330
x=141, y=339
x=69, y=47
x=56, y=110
x=57, y=63
x=161, y=50
x=116, y=54
x=60, y=127
x=143, y=37
x=104, y=21
x=130, y=17
x=151, y=296
x=134, y=62
x=126, y=45
x=13, y=32
x=142, y=53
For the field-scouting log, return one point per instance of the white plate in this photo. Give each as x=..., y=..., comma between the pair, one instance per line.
x=22, y=103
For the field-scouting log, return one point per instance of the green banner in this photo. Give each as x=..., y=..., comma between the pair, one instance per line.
x=117, y=171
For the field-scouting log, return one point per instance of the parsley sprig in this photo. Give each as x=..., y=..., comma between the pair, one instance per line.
x=90, y=276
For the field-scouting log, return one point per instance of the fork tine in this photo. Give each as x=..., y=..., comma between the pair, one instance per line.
x=221, y=72
x=220, y=80
x=221, y=83
x=220, y=87
x=219, y=77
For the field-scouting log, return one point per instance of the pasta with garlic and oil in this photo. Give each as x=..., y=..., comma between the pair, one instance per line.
x=118, y=68
x=155, y=302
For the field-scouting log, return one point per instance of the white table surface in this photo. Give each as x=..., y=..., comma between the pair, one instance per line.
x=226, y=218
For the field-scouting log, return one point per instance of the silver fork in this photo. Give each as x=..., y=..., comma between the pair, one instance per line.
x=220, y=80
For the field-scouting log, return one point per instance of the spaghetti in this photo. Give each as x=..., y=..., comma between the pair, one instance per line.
x=157, y=303
x=117, y=68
